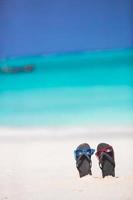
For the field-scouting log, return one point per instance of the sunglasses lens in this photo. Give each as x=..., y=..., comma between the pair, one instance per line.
x=86, y=152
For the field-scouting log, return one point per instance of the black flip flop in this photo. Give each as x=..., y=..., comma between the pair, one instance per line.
x=105, y=154
x=83, y=159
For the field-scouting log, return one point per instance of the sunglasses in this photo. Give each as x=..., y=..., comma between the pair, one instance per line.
x=86, y=152
x=103, y=150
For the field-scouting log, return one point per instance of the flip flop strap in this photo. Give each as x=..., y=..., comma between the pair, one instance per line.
x=109, y=158
x=79, y=161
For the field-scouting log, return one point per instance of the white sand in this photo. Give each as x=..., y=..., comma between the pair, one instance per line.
x=43, y=168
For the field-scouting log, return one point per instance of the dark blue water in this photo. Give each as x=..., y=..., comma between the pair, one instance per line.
x=72, y=89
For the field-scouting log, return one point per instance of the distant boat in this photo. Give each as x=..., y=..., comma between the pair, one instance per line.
x=15, y=69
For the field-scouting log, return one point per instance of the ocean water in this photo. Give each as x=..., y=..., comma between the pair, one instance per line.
x=69, y=90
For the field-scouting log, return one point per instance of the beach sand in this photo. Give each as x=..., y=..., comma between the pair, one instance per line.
x=43, y=168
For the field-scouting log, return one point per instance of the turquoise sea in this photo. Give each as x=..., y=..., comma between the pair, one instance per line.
x=69, y=89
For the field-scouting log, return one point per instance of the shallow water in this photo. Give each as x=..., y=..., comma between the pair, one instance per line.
x=71, y=89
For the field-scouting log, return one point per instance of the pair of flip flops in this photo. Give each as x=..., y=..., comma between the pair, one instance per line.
x=105, y=155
